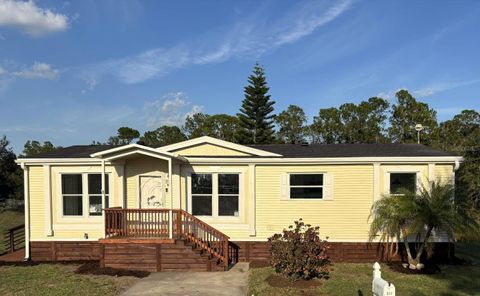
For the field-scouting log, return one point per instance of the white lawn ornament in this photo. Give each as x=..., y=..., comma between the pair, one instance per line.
x=381, y=287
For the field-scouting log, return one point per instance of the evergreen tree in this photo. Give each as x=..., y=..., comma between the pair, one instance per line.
x=291, y=125
x=255, y=117
x=408, y=112
x=11, y=176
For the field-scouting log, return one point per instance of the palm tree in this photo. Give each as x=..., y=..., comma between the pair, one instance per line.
x=417, y=215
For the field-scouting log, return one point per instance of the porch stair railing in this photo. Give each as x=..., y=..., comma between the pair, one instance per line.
x=155, y=223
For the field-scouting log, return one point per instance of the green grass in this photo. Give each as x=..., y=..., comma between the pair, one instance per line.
x=9, y=219
x=355, y=279
x=57, y=279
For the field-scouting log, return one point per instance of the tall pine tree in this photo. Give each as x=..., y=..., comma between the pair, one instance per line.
x=255, y=117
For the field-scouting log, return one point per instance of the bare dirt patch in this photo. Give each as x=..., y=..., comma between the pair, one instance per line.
x=95, y=269
x=259, y=264
x=282, y=282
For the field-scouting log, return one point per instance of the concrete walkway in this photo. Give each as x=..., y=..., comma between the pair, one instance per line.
x=229, y=283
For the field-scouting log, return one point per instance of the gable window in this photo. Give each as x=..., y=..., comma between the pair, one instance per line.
x=81, y=194
x=307, y=186
x=95, y=194
x=402, y=181
x=72, y=195
x=215, y=194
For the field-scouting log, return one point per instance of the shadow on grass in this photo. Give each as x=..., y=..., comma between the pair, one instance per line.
x=86, y=268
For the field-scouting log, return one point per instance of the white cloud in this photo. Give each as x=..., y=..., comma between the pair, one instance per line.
x=38, y=71
x=3, y=71
x=249, y=37
x=172, y=109
x=30, y=18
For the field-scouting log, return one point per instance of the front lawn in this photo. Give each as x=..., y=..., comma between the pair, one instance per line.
x=356, y=278
x=57, y=279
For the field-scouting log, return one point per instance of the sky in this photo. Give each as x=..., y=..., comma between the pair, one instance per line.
x=74, y=71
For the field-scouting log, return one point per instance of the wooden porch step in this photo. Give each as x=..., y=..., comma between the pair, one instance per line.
x=176, y=256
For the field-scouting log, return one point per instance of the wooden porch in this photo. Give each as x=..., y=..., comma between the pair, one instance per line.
x=163, y=239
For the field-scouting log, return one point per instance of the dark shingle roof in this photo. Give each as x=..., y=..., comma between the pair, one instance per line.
x=351, y=150
x=286, y=150
x=77, y=151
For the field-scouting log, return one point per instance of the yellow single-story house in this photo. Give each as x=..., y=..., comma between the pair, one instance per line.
x=141, y=207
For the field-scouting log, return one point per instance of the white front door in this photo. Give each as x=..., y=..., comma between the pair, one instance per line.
x=151, y=192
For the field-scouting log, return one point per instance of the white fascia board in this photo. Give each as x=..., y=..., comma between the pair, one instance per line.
x=132, y=146
x=217, y=142
x=336, y=160
x=34, y=161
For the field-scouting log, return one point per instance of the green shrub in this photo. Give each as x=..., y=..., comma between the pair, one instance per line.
x=299, y=253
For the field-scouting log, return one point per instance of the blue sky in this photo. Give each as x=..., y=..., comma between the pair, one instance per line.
x=74, y=71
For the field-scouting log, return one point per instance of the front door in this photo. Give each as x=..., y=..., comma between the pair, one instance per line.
x=151, y=192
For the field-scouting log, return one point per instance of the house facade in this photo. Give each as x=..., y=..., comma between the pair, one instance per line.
x=89, y=202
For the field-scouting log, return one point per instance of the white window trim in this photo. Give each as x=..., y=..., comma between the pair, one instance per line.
x=85, y=197
x=401, y=171
x=214, y=171
x=306, y=186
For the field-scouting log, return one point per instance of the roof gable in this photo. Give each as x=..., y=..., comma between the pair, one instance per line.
x=208, y=146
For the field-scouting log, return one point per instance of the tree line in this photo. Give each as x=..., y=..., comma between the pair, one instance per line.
x=374, y=120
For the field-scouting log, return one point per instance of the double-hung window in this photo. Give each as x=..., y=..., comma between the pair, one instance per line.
x=228, y=194
x=82, y=193
x=95, y=194
x=202, y=194
x=215, y=194
x=72, y=194
x=306, y=186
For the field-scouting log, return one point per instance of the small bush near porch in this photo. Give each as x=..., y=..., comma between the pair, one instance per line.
x=356, y=279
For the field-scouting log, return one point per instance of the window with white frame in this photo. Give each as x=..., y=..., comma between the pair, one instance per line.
x=83, y=189
x=202, y=193
x=95, y=194
x=215, y=194
x=402, y=181
x=72, y=194
x=306, y=186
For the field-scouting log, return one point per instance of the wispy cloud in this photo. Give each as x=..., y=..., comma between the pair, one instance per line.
x=249, y=37
x=31, y=19
x=172, y=109
x=440, y=87
x=429, y=90
x=38, y=71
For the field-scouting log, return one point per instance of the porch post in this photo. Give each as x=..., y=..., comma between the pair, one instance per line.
x=170, y=213
x=26, y=204
x=103, y=181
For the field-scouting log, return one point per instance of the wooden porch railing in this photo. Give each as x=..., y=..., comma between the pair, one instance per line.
x=155, y=223
x=14, y=238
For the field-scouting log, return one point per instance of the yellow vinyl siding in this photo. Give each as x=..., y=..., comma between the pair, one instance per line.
x=209, y=150
x=343, y=218
x=444, y=173
x=37, y=201
x=137, y=166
